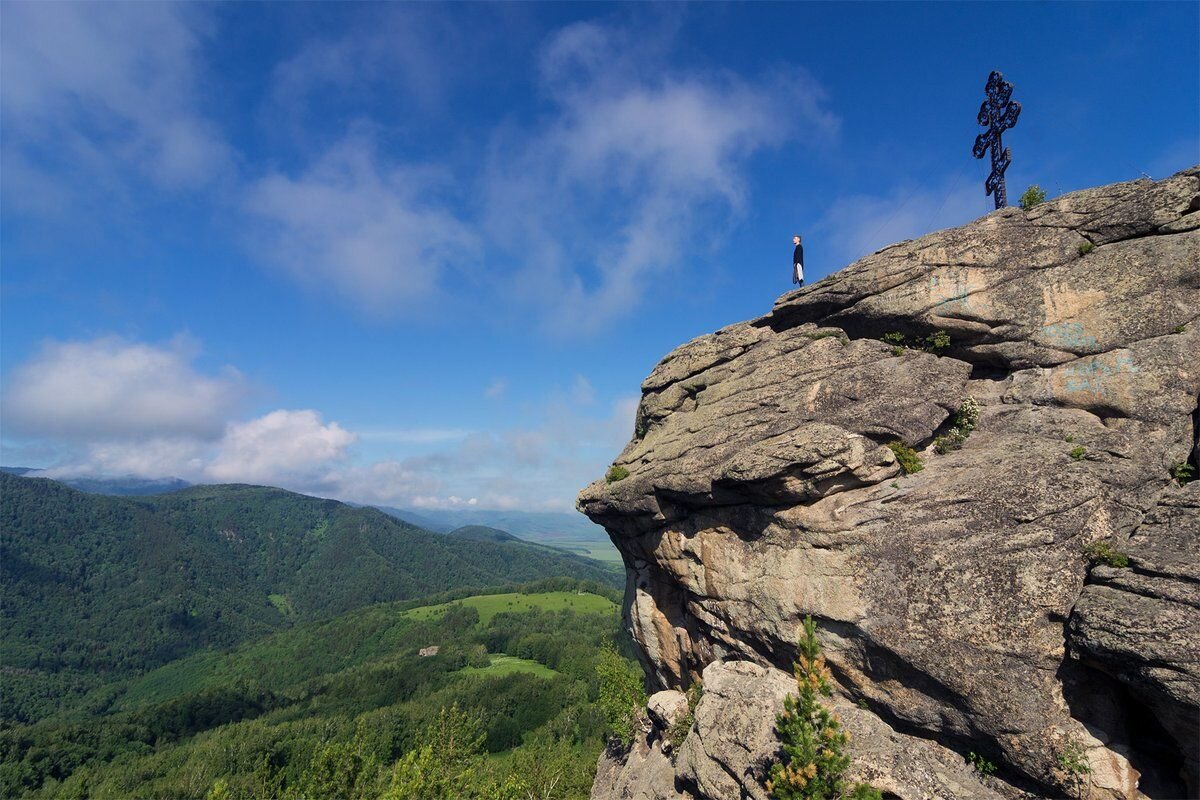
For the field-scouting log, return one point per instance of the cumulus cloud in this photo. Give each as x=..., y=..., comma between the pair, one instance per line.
x=362, y=226
x=95, y=88
x=277, y=447
x=111, y=407
x=113, y=388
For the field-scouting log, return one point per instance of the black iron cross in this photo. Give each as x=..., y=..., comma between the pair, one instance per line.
x=998, y=113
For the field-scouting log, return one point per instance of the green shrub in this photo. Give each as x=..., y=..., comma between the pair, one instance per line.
x=1032, y=197
x=812, y=737
x=908, y=459
x=967, y=415
x=1181, y=329
x=683, y=726
x=1070, y=437
x=1105, y=553
x=1183, y=472
x=616, y=473
x=965, y=419
x=1077, y=452
x=1085, y=248
x=981, y=765
x=949, y=441
x=937, y=343
x=1073, y=758
x=622, y=696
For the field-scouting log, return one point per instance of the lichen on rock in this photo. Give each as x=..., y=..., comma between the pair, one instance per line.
x=957, y=604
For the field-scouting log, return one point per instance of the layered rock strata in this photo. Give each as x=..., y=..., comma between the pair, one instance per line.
x=967, y=607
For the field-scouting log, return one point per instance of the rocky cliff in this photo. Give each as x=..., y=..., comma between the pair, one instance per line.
x=1032, y=595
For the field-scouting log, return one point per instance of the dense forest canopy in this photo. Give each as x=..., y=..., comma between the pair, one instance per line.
x=351, y=707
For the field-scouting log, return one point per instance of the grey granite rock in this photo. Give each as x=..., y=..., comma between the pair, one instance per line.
x=958, y=603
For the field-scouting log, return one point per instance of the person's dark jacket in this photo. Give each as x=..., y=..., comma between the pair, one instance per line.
x=798, y=255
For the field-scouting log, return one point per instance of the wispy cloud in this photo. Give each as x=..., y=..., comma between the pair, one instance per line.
x=857, y=225
x=95, y=92
x=364, y=227
x=582, y=209
x=413, y=435
x=637, y=164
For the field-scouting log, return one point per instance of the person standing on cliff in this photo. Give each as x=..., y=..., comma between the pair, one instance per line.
x=797, y=262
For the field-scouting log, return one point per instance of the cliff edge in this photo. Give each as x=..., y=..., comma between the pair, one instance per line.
x=1031, y=595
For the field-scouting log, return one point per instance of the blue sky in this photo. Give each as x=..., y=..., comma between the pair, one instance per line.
x=423, y=255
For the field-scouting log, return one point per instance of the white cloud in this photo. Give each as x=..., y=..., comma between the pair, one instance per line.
x=392, y=50
x=110, y=387
x=289, y=448
x=111, y=407
x=578, y=211
x=361, y=227
x=152, y=457
x=538, y=467
x=97, y=86
x=278, y=447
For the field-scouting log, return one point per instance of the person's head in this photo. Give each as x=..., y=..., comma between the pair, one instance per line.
x=795, y=240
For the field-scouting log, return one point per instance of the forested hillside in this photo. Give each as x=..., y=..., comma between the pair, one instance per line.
x=498, y=696
x=95, y=588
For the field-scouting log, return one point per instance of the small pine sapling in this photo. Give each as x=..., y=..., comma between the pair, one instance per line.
x=812, y=736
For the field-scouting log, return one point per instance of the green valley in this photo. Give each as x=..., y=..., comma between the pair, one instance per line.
x=491, y=696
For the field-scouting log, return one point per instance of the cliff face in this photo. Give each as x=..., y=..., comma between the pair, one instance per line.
x=959, y=606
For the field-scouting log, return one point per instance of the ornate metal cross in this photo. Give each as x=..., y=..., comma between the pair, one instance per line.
x=998, y=113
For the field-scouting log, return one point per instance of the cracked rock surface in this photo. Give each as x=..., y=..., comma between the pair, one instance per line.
x=962, y=605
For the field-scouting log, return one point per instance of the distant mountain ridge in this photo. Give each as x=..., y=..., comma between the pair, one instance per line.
x=566, y=530
x=122, y=485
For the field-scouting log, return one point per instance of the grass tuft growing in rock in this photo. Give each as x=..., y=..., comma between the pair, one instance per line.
x=1034, y=195
x=616, y=473
x=1105, y=553
x=1183, y=472
x=908, y=459
x=1085, y=248
x=1073, y=761
x=981, y=765
x=1077, y=452
x=1181, y=329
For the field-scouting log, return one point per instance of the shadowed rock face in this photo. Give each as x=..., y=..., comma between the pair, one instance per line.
x=957, y=604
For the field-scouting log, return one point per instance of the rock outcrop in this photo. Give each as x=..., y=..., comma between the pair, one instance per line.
x=967, y=607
